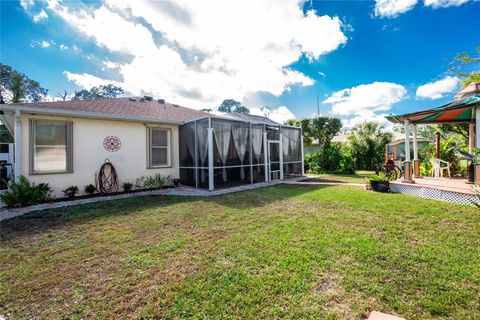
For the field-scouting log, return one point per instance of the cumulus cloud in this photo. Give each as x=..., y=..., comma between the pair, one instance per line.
x=63, y=47
x=393, y=8
x=26, y=4
x=42, y=15
x=438, y=89
x=278, y=114
x=208, y=50
x=41, y=44
x=444, y=3
x=110, y=65
x=377, y=96
x=366, y=116
x=86, y=80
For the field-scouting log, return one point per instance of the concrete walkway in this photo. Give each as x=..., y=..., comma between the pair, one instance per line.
x=179, y=191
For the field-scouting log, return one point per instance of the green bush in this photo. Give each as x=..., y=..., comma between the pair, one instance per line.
x=334, y=158
x=71, y=191
x=90, y=189
x=153, y=182
x=127, y=186
x=22, y=193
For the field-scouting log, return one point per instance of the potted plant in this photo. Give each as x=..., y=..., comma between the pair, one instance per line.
x=379, y=182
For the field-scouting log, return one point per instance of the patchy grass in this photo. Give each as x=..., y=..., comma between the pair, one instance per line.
x=278, y=252
x=358, y=177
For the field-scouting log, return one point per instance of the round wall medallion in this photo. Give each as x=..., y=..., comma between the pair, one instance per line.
x=112, y=143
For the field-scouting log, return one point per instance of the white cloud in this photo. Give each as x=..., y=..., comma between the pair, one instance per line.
x=209, y=50
x=366, y=116
x=438, y=89
x=444, y=3
x=393, y=8
x=110, y=64
x=86, y=80
x=42, y=44
x=26, y=4
x=377, y=96
x=277, y=114
x=63, y=47
x=42, y=15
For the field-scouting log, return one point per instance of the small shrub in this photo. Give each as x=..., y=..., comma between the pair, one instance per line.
x=381, y=177
x=127, y=186
x=22, y=193
x=90, y=189
x=153, y=182
x=71, y=191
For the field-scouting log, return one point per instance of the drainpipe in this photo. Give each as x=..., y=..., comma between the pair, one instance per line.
x=265, y=154
x=303, y=160
x=18, y=145
x=211, y=185
x=251, y=151
x=281, y=153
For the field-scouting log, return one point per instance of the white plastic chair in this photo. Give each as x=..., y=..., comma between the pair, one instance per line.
x=437, y=170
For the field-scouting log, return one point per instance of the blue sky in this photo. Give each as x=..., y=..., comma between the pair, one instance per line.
x=363, y=59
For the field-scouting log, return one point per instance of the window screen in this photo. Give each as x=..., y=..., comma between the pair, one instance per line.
x=159, y=147
x=51, y=145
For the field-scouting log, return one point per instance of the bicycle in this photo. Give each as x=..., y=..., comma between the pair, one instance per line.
x=391, y=171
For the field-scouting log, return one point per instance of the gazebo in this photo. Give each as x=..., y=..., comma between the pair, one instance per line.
x=465, y=109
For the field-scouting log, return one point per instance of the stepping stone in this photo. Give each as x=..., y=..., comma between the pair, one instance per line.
x=375, y=315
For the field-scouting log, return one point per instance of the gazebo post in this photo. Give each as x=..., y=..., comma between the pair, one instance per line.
x=471, y=137
x=416, y=168
x=477, y=129
x=476, y=168
x=408, y=163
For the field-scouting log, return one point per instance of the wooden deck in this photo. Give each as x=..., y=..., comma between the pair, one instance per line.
x=455, y=190
x=456, y=184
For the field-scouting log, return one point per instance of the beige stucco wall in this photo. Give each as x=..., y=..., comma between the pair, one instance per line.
x=89, y=154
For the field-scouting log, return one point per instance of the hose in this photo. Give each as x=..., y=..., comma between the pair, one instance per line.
x=107, y=178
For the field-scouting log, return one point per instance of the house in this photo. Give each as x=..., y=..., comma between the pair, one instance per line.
x=64, y=143
x=396, y=148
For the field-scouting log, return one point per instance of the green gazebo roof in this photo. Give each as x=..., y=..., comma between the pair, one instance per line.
x=453, y=112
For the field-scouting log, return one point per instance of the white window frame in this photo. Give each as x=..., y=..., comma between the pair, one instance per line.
x=69, y=146
x=150, y=164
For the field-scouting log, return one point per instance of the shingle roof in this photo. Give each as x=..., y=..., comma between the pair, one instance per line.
x=247, y=118
x=135, y=108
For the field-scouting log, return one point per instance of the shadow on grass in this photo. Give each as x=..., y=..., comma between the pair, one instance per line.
x=42, y=221
x=323, y=180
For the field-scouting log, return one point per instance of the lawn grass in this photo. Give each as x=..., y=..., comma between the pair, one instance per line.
x=279, y=252
x=357, y=177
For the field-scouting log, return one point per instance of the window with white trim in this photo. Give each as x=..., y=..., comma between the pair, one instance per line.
x=50, y=146
x=159, y=153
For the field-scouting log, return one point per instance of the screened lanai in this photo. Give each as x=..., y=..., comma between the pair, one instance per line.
x=235, y=149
